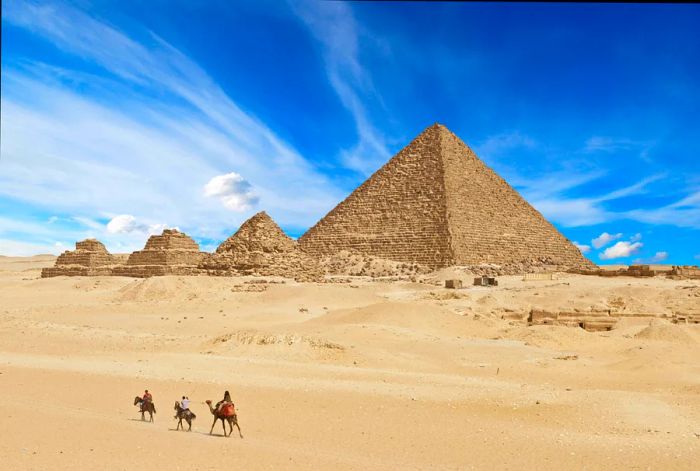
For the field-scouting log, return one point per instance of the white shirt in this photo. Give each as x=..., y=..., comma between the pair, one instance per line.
x=185, y=403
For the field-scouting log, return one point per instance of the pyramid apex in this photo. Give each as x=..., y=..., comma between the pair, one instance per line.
x=438, y=128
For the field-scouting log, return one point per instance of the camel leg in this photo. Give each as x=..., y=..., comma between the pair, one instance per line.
x=189, y=422
x=223, y=424
x=179, y=422
x=212, y=425
x=239, y=429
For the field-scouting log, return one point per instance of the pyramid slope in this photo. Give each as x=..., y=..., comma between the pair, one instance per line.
x=437, y=204
x=489, y=222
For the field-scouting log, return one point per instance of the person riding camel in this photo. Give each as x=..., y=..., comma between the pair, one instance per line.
x=184, y=405
x=226, y=404
x=147, y=398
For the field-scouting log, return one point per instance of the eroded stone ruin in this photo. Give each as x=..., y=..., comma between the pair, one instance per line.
x=90, y=258
x=260, y=247
x=171, y=253
x=436, y=203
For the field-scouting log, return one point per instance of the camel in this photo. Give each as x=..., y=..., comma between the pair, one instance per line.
x=145, y=407
x=231, y=419
x=186, y=414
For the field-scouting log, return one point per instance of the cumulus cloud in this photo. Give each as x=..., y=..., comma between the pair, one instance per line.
x=583, y=247
x=604, y=239
x=127, y=224
x=621, y=249
x=234, y=191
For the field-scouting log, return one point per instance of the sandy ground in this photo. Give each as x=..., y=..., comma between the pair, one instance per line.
x=344, y=376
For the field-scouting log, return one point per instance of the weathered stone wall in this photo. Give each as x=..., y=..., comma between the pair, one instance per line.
x=437, y=204
x=397, y=214
x=686, y=271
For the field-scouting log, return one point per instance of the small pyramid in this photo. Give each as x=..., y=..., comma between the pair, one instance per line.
x=258, y=234
x=89, y=258
x=171, y=253
x=436, y=203
x=260, y=247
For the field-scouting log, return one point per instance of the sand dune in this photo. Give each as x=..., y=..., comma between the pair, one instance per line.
x=356, y=375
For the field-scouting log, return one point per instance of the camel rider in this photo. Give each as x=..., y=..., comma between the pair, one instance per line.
x=225, y=400
x=147, y=398
x=184, y=407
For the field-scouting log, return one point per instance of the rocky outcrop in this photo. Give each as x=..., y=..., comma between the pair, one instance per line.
x=260, y=247
x=90, y=258
x=171, y=253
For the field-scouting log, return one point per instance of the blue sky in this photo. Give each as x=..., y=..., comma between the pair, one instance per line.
x=121, y=118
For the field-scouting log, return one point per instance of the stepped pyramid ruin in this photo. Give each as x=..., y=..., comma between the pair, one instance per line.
x=435, y=203
x=260, y=247
x=171, y=253
x=90, y=258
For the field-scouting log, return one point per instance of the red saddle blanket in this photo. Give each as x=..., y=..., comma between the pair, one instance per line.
x=227, y=410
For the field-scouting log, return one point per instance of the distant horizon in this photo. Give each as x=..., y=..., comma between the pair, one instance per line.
x=119, y=120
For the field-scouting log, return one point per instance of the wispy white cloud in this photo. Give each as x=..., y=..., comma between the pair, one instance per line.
x=334, y=27
x=606, y=144
x=658, y=257
x=549, y=195
x=111, y=149
x=17, y=248
x=604, y=239
x=494, y=146
x=616, y=144
x=683, y=213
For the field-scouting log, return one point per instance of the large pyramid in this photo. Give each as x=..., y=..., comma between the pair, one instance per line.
x=436, y=203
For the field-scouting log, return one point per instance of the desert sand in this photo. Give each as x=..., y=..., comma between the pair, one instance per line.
x=359, y=375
